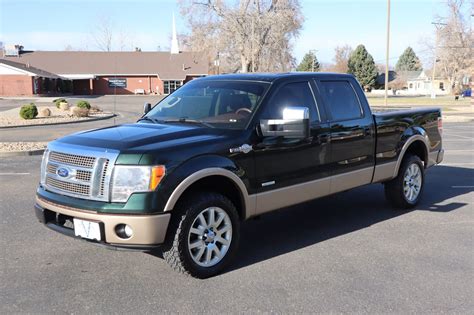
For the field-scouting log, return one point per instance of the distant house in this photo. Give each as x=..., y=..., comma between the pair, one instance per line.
x=380, y=80
x=419, y=83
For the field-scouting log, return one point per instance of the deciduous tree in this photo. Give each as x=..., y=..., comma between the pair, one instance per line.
x=247, y=35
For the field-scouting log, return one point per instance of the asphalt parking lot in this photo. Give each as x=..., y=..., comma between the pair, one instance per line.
x=348, y=253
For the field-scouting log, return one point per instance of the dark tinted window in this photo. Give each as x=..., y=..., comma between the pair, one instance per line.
x=291, y=95
x=341, y=99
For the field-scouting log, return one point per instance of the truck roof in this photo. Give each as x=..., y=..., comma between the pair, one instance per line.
x=271, y=77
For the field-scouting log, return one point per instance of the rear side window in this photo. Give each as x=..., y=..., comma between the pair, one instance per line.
x=341, y=99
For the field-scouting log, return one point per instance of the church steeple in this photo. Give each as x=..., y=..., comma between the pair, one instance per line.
x=174, y=40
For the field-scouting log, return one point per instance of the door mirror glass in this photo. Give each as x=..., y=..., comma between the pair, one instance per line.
x=146, y=108
x=295, y=124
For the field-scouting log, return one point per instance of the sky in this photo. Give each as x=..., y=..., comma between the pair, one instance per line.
x=54, y=24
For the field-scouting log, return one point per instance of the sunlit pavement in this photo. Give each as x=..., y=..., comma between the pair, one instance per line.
x=346, y=253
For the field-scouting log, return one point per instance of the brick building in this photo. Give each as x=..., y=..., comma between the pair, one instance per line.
x=98, y=73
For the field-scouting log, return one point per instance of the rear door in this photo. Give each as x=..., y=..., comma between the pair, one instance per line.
x=352, y=134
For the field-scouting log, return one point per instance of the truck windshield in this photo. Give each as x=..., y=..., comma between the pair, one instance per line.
x=217, y=104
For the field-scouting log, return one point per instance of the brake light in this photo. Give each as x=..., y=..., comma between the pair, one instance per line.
x=440, y=125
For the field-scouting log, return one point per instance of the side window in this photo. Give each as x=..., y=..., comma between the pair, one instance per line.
x=297, y=94
x=341, y=99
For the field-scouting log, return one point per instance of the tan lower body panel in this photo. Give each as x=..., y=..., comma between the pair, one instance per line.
x=288, y=196
x=385, y=171
x=147, y=229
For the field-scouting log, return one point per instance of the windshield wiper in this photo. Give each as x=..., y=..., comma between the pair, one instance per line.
x=191, y=121
x=153, y=120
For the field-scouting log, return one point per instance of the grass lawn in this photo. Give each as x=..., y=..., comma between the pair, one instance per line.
x=440, y=101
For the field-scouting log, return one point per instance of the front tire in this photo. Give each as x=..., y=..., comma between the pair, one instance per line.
x=405, y=190
x=203, y=236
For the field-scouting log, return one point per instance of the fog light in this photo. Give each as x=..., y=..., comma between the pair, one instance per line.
x=123, y=231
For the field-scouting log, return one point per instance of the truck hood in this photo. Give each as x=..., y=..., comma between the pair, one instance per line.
x=141, y=137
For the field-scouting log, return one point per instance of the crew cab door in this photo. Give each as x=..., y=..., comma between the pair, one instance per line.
x=352, y=133
x=284, y=166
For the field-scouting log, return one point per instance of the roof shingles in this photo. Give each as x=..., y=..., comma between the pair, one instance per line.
x=167, y=66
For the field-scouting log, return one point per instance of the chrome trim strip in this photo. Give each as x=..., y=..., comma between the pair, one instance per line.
x=405, y=147
x=266, y=184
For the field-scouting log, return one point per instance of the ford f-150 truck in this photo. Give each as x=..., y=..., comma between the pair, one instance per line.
x=223, y=149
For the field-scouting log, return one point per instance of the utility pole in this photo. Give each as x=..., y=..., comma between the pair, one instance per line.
x=438, y=26
x=387, y=53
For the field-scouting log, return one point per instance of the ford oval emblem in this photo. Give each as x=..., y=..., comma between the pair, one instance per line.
x=63, y=172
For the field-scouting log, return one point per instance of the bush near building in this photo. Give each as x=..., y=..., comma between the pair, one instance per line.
x=28, y=111
x=83, y=104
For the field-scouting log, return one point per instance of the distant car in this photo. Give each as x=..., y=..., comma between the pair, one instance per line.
x=467, y=93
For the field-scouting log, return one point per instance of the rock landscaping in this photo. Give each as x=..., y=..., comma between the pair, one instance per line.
x=58, y=112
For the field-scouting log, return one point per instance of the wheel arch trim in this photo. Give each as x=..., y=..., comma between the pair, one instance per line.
x=249, y=201
x=406, y=145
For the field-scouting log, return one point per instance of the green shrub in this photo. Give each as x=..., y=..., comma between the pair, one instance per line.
x=28, y=111
x=59, y=101
x=83, y=104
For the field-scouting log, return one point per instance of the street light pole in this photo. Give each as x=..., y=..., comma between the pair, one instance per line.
x=438, y=26
x=387, y=52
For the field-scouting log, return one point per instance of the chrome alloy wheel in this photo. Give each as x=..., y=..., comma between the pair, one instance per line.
x=412, y=181
x=210, y=236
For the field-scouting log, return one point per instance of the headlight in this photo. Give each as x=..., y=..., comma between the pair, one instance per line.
x=127, y=180
x=44, y=164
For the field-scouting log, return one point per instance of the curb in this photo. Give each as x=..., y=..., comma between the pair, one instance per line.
x=62, y=123
x=22, y=153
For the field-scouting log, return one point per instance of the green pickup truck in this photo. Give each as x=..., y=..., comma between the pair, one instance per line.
x=223, y=149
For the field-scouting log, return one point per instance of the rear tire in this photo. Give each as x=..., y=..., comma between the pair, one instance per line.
x=405, y=190
x=203, y=236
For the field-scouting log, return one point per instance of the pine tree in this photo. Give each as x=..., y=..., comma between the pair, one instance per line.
x=408, y=61
x=362, y=66
x=309, y=63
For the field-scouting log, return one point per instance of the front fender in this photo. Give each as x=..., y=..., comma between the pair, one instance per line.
x=184, y=175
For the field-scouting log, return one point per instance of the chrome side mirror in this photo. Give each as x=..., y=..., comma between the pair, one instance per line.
x=295, y=124
x=146, y=108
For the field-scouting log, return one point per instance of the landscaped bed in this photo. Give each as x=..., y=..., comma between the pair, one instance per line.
x=11, y=118
x=22, y=146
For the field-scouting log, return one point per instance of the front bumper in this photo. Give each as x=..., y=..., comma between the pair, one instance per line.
x=149, y=231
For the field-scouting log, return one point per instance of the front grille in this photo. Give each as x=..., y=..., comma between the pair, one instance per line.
x=88, y=172
x=71, y=159
x=69, y=187
x=85, y=176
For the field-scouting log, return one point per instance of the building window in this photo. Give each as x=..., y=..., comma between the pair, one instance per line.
x=171, y=86
x=441, y=86
x=411, y=86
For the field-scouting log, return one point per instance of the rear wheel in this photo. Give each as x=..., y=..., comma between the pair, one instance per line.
x=404, y=191
x=204, y=236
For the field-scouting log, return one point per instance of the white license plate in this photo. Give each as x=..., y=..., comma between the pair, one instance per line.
x=87, y=229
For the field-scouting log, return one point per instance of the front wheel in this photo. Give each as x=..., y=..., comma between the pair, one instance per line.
x=404, y=191
x=204, y=235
